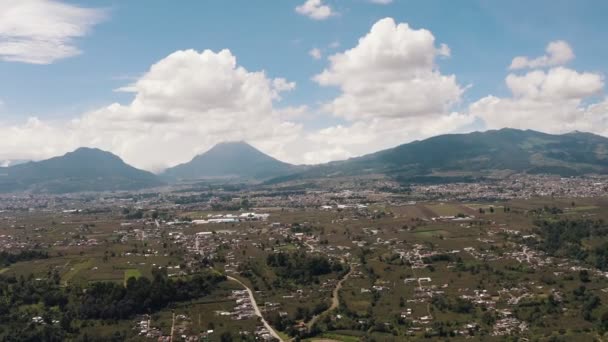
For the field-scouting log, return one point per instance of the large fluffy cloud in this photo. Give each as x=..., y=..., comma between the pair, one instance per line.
x=42, y=31
x=184, y=104
x=554, y=101
x=391, y=73
x=35, y=139
x=392, y=91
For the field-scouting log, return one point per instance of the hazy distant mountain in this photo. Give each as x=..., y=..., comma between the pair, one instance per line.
x=443, y=158
x=230, y=160
x=85, y=169
x=476, y=153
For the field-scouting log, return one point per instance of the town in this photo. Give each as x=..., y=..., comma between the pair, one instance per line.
x=348, y=264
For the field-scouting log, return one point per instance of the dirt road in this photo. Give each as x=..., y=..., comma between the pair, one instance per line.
x=335, y=299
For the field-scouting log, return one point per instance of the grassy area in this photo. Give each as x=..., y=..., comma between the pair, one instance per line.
x=284, y=336
x=75, y=268
x=334, y=337
x=431, y=233
x=132, y=273
x=446, y=209
x=583, y=208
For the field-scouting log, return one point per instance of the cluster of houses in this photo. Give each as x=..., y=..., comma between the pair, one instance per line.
x=509, y=326
x=232, y=218
x=244, y=310
x=516, y=186
x=144, y=327
x=417, y=256
x=343, y=206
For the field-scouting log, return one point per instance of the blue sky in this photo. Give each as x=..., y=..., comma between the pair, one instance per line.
x=127, y=37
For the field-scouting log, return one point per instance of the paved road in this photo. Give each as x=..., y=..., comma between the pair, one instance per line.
x=257, y=310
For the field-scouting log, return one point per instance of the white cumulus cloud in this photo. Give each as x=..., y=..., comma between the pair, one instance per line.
x=559, y=52
x=391, y=92
x=549, y=101
x=391, y=73
x=42, y=31
x=183, y=105
x=553, y=100
x=315, y=9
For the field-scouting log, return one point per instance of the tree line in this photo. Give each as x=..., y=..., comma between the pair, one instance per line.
x=301, y=267
x=8, y=258
x=65, y=308
x=564, y=238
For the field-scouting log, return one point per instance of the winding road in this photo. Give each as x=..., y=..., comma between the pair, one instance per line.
x=335, y=300
x=257, y=310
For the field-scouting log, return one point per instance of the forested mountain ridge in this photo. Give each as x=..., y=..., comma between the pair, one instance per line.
x=523, y=151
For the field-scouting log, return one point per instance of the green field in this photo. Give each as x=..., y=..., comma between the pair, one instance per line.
x=334, y=337
x=432, y=233
x=446, y=209
x=75, y=268
x=132, y=273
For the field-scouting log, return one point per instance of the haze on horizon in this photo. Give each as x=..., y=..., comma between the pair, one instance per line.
x=158, y=85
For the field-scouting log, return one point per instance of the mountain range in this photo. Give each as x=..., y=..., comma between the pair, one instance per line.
x=442, y=158
x=523, y=151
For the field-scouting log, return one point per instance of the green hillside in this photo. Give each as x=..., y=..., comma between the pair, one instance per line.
x=476, y=154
